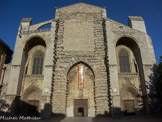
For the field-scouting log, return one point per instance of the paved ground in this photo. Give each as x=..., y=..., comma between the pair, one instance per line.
x=106, y=119
x=101, y=119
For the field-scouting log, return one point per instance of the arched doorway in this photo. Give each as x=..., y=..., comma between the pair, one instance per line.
x=130, y=99
x=80, y=91
x=33, y=75
x=31, y=104
x=129, y=73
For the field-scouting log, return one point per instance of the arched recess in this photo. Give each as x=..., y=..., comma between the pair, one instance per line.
x=34, y=45
x=80, y=92
x=34, y=80
x=133, y=77
x=33, y=41
x=131, y=46
x=80, y=62
x=130, y=98
x=32, y=101
x=32, y=93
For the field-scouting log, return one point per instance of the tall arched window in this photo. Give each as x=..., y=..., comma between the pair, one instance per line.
x=38, y=63
x=124, y=61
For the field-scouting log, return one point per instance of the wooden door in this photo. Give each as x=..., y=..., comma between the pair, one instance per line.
x=81, y=107
x=129, y=106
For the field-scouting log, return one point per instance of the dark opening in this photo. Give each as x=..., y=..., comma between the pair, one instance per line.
x=81, y=107
x=81, y=112
x=33, y=108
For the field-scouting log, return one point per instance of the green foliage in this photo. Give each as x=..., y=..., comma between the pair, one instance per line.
x=157, y=82
x=155, y=87
x=157, y=78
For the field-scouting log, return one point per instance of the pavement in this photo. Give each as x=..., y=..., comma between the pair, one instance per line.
x=150, y=118
x=108, y=119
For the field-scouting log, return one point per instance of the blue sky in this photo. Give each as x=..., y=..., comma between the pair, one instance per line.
x=12, y=11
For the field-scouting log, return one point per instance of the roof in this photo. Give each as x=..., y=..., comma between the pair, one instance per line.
x=5, y=46
x=80, y=7
x=26, y=20
x=83, y=4
x=135, y=18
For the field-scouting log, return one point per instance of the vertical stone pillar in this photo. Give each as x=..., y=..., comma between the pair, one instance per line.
x=17, y=68
x=113, y=72
x=15, y=77
x=101, y=78
x=59, y=78
x=48, y=71
x=137, y=23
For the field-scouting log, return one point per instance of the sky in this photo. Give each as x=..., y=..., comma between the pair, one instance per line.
x=12, y=12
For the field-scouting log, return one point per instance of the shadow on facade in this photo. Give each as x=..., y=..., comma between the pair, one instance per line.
x=47, y=114
x=21, y=108
x=107, y=116
x=108, y=73
x=116, y=114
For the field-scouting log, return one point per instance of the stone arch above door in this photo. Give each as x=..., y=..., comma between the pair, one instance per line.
x=30, y=92
x=31, y=101
x=76, y=61
x=76, y=93
x=130, y=99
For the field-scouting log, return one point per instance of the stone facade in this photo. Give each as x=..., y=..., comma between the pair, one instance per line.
x=5, y=58
x=81, y=34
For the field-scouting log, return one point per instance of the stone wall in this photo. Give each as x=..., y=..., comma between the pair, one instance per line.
x=2, y=60
x=89, y=48
x=80, y=33
x=5, y=79
x=5, y=57
x=116, y=31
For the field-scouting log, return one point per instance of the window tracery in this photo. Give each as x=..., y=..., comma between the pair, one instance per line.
x=124, y=61
x=38, y=63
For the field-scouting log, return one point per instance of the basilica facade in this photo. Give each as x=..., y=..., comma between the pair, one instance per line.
x=85, y=64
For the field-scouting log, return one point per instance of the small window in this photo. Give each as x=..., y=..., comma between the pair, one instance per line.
x=124, y=61
x=38, y=63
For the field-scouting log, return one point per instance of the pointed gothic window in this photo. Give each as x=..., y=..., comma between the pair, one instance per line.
x=124, y=61
x=38, y=63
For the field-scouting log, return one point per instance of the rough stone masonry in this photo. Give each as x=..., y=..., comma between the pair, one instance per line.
x=115, y=61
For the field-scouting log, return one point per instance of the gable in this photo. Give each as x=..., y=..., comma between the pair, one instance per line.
x=80, y=7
